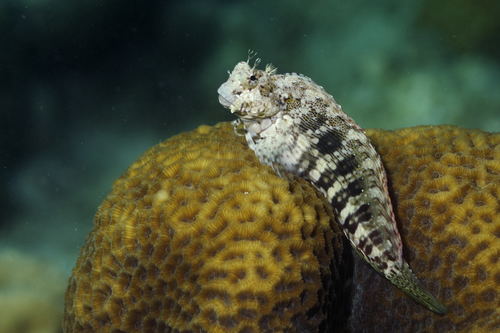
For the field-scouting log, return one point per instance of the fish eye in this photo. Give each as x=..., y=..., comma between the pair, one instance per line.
x=253, y=78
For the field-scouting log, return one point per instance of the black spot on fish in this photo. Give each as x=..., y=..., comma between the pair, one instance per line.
x=362, y=242
x=355, y=187
x=389, y=255
x=351, y=226
x=329, y=142
x=346, y=166
x=375, y=237
x=363, y=214
x=340, y=199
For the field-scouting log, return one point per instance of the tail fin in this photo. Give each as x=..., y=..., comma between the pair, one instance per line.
x=408, y=282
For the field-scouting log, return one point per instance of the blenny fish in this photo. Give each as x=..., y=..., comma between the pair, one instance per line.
x=293, y=125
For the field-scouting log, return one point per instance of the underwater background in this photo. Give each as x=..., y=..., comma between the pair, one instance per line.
x=86, y=87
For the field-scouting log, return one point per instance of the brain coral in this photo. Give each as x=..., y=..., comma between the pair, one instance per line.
x=198, y=236
x=445, y=184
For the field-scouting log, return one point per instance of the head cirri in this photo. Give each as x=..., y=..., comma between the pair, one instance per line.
x=248, y=92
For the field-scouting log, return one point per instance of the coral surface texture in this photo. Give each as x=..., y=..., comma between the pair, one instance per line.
x=198, y=236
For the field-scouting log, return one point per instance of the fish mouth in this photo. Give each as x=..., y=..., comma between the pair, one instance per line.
x=226, y=97
x=222, y=100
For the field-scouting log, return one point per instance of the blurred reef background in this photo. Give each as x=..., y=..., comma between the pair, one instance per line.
x=86, y=87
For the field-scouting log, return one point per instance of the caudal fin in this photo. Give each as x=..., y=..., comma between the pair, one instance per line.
x=408, y=282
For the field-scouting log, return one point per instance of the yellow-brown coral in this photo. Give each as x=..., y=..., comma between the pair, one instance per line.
x=445, y=184
x=199, y=236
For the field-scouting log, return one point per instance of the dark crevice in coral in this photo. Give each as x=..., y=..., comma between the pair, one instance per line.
x=339, y=310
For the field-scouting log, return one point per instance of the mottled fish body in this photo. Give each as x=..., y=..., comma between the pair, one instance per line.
x=295, y=126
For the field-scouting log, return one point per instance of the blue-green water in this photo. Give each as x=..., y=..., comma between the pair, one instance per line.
x=87, y=86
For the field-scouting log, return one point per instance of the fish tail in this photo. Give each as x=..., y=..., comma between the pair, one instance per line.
x=408, y=282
